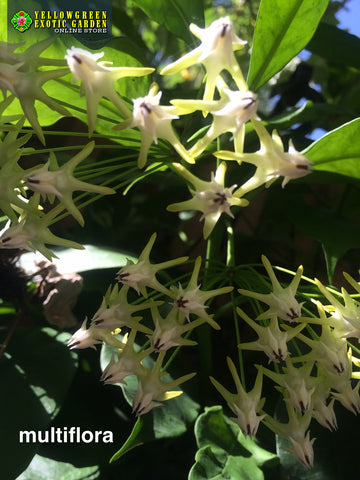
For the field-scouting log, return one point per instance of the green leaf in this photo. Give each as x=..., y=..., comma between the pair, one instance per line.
x=224, y=452
x=139, y=435
x=337, y=234
x=331, y=259
x=283, y=28
x=3, y=20
x=338, y=151
x=170, y=420
x=37, y=370
x=175, y=15
x=215, y=466
x=43, y=468
x=316, y=113
x=215, y=429
x=336, y=46
x=70, y=260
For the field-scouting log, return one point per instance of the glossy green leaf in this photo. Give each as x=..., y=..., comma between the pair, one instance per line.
x=283, y=28
x=37, y=370
x=212, y=465
x=338, y=151
x=141, y=433
x=335, y=45
x=175, y=15
x=224, y=452
x=43, y=468
x=336, y=233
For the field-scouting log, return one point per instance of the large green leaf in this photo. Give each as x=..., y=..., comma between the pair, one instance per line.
x=212, y=465
x=175, y=15
x=224, y=452
x=337, y=234
x=43, y=468
x=169, y=420
x=338, y=151
x=335, y=45
x=37, y=371
x=283, y=28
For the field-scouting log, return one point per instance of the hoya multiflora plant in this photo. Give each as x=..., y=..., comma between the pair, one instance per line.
x=147, y=317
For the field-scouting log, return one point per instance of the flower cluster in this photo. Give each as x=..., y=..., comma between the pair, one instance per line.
x=21, y=188
x=310, y=383
x=230, y=109
x=230, y=113
x=28, y=226
x=186, y=311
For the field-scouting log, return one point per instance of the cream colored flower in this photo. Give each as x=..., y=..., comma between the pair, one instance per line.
x=154, y=121
x=97, y=79
x=218, y=42
x=271, y=161
x=211, y=198
x=60, y=181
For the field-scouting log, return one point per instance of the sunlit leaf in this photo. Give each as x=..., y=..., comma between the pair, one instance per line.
x=175, y=15
x=283, y=28
x=338, y=151
x=70, y=260
x=43, y=468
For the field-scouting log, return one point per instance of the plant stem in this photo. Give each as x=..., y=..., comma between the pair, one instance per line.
x=10, y=334
x=231, y=263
